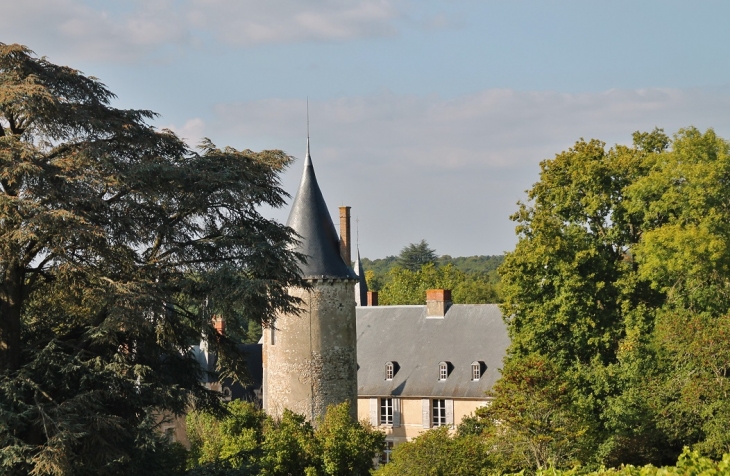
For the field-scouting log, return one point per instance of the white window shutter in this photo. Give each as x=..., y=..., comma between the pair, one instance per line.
x=449, y=412
x=374, y=411
x=396, y=412
x=426, y=412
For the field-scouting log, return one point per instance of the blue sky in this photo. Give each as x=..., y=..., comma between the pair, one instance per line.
x=429, y=118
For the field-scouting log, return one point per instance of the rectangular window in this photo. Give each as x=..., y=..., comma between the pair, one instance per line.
x=386, y=411
x=273, y=335
x=385, y=455
x=169, y=433
x=439, y=412
x=443, y=372
x=476, y=372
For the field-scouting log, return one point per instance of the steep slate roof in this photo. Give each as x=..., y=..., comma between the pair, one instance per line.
x=361, y=287
x=403, y=334
x=310, y=218
x=253, y=356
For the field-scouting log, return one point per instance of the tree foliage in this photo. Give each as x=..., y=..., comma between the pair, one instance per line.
x=117, y=245
x=530, y=422
x=437, y=453
x=247, y=441
x=482, y=264
x=689, y=462
x=409, y=287
x=619, y=279
x=413, y=256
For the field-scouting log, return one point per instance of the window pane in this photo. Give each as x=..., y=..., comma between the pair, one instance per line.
x=386, y=411
x=439, y=412
x=385, y=455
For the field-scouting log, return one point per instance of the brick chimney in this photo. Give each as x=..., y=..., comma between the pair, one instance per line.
x=345, y=240
x=372, y=298
x=219, y=324
x=438, y=302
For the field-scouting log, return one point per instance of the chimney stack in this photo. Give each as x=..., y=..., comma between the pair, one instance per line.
x=438, y=302
x=372, y=298
x=345, y=235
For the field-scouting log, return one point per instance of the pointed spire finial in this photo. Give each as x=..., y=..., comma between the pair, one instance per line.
x=307, y=158
x=310, y=219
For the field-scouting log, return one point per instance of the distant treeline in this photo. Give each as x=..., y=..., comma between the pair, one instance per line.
x=404, y=279
x=482, y=264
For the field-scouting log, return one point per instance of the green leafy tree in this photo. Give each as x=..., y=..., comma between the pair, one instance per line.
x=409, y=287
x=289, y=446
x=437, y=453
x=413, y=256
x=530, y=424
x=234, y=440
x=117, y=245
x=246, y=441
x=620, y=278
x=685, y=254
x=689, y=463
x=347, y=447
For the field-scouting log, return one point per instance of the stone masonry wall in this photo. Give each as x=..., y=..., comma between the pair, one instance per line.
x=313, y=360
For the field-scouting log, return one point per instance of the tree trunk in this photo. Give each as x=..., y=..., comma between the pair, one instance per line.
x=10, y=304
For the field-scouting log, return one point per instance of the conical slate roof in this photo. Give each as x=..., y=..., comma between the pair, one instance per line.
x=310, y=218
x=361, y=287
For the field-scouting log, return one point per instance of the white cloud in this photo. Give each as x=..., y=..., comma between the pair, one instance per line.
x=71, y=28
x=148, y=29
x=451, y=170
x=192, y=132
x=251, y=22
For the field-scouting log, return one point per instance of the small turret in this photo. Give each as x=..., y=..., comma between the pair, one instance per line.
x=361, y=287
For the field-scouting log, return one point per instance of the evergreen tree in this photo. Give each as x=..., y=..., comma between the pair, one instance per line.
x=117, y=245
x=415, y=255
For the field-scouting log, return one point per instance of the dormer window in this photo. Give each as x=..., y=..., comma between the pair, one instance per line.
x=443, y=370
x=391, y=368
x=477, y=369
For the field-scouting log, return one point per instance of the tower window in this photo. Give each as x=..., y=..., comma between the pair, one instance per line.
x=273, y=335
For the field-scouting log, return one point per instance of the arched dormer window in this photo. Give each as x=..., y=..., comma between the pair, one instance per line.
x=477, y=369
x=443, y=370
x=391, y=368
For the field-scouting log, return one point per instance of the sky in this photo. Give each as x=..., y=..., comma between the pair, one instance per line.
x=428, y=117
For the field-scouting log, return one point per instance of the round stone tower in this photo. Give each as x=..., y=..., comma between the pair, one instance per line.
x=310, y=358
